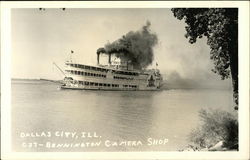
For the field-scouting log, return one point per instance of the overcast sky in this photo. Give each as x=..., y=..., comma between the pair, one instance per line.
x=40, y=38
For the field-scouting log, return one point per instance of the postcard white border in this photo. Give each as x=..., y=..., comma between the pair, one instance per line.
x=243, y=152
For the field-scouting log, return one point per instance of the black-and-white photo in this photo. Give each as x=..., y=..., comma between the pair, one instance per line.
x=124, y=79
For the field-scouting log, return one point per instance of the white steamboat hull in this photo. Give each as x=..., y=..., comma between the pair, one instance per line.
x=108, y=89
x=85, y=77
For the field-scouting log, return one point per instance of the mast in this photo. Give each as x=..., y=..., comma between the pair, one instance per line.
x=59, y=69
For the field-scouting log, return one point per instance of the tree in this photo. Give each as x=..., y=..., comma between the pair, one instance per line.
x=220, y=26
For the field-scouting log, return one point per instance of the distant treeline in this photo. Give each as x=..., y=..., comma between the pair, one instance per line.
x=185, y=84
x=33, y=79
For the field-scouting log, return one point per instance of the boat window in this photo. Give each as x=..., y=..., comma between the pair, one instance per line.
x=96, y=84
x=100, y=84
x=108, y=85
x=86, y=83
x=70, y=78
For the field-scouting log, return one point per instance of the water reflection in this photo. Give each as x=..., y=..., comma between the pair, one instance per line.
x=116, y=116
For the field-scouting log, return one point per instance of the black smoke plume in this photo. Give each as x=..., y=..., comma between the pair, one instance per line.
x=137, y=46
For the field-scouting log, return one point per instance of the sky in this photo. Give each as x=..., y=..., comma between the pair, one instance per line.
x=41, y=37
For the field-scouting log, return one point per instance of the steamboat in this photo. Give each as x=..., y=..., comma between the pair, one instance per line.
x=116, y=74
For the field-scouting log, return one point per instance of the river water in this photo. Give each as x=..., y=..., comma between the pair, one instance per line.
x=45, y=118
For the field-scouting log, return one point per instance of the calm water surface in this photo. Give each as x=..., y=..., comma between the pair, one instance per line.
x=116, y=116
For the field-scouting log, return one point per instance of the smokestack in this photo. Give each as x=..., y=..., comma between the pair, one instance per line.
x=109, y=58
x=136, y=46
x=98, y=52
x=98, y=56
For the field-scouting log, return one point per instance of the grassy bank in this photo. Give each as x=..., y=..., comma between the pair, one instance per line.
x=218, y=131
